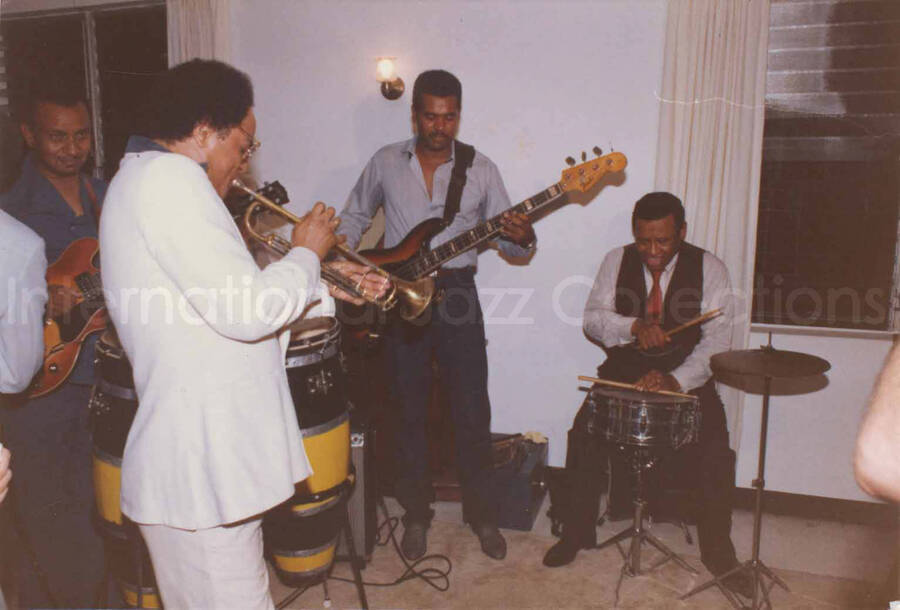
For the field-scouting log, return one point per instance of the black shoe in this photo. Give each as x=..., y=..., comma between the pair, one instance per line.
x=740, y=583
x=415, y=540
x=492, y=543
x=562, y=553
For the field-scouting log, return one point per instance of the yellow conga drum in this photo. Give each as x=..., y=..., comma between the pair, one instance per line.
x=301, y=534
x=113, y=406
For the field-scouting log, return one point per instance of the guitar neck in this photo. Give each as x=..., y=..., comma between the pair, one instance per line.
x=91, y=290
x=423, y=265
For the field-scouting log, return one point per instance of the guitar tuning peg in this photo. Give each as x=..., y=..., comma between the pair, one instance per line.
x=570, y=161
x=597, y=151
x=583, y=156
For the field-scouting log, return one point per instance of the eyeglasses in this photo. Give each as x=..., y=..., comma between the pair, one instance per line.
x=250, y=150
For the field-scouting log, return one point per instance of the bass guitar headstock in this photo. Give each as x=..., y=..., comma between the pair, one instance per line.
x=586, y=175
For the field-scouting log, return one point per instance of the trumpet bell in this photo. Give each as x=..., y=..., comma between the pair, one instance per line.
x=417, y=295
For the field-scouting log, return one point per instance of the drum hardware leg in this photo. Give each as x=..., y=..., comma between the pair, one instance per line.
x=355, y=560
x=687, y=532
x=641, y=461
x=754, y=564
x=326, y=603
x=134, y=534
x=679, y=522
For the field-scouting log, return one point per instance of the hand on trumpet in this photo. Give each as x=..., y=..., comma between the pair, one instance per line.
x=368, y=284
x=316, y=230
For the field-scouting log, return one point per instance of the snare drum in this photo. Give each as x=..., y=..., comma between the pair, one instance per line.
x=645, y=419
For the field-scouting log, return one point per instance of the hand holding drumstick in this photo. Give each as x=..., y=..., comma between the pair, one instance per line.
x=649, y=334
x=629, y=386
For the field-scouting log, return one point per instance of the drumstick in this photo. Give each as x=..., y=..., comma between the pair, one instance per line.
x=698, y=320
x=631, y=386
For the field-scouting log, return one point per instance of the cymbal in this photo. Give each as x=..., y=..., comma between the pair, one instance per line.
x=768, y=362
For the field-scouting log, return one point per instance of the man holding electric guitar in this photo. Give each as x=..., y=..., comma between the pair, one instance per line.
x=413, y=180
x=50, y=436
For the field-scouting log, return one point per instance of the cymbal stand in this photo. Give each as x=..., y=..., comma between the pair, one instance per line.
x=754, y=564
x=642, y=460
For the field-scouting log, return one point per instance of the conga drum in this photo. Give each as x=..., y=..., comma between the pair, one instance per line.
x=113, y=406
x=301, y=534
x=129, y=562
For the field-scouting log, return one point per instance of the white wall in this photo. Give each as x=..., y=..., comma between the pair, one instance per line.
x=541, y=80
x=813, y=423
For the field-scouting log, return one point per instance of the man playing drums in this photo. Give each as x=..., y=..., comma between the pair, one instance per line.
x=641, y=291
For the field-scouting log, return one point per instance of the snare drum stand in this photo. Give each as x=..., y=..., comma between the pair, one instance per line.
x=642, y=460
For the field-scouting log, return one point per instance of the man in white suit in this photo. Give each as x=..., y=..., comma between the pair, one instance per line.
x=215, y=442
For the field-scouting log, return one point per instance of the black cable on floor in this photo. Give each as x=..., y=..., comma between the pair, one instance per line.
x=433, y=576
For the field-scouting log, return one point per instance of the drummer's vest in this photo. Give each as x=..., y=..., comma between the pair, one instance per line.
x=681, y=304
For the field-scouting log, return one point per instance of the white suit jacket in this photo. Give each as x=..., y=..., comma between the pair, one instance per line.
x=216, y=438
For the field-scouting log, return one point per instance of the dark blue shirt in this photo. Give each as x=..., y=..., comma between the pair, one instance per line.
x=36, y=202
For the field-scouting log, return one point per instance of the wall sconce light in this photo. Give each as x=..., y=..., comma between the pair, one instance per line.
x=386, y=73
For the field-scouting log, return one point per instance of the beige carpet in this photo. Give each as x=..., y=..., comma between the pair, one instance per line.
x=521, y=581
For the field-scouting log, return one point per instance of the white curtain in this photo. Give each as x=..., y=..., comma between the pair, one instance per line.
x=710, y=138
x=198, y=28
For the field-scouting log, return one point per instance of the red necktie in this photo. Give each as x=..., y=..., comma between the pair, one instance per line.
x=654, y=301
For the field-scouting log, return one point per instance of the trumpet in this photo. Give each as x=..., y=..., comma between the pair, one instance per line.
x=412, y=296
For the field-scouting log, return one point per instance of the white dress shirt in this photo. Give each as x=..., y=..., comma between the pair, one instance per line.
x=216, y=438
x=23, y=295
x=602, y=323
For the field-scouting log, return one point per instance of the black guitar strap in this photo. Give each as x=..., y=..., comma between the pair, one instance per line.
x=464, y=154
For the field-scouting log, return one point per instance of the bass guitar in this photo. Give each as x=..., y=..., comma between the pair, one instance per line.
x=65, y=334
x=412, y=258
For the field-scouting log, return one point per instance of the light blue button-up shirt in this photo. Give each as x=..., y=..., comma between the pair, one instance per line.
x=393, y=178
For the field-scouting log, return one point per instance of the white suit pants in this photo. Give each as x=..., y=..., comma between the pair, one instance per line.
x=220, y=567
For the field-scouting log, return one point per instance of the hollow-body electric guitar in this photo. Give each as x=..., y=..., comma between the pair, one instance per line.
x=65, y=334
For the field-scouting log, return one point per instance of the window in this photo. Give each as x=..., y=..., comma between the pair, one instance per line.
x=828, y=217
x=112, y=53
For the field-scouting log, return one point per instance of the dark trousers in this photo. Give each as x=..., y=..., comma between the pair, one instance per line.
x=454, y=337
x=707, y=465
x=52, y=499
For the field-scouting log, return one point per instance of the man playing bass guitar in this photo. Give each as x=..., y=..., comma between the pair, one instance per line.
x=412, y=180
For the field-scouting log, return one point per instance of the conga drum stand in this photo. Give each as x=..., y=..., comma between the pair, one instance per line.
x=354, y=559
x=767, y=363
x=642, y=460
